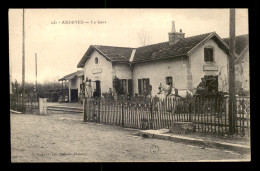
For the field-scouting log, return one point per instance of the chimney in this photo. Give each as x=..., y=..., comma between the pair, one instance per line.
x=174, y=36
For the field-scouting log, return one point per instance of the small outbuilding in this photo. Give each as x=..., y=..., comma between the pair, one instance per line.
x=71, y=85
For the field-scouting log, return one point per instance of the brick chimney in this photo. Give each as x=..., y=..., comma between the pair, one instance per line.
x=175, y=36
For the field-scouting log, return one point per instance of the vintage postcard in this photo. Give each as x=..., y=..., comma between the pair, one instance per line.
x=129, y=85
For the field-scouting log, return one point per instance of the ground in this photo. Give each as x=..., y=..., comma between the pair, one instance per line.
x=66, y=138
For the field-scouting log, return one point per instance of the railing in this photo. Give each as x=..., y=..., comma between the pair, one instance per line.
x=210, y=115
x=30, y=105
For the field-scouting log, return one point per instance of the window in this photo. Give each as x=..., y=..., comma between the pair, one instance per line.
x=169, y=80
x=208, y=54
x=123, y=85
x=143, y=86
x=96, y=60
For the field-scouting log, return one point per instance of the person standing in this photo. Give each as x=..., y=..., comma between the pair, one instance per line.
x=88, y=91
x=110, y=94
x=201, y=88
x=95, y=93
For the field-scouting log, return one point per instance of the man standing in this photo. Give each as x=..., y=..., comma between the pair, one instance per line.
x=88, y=88
x=110, y=94
x=95, y=94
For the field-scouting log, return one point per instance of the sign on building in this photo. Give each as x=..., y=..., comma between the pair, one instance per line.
x=210, y=68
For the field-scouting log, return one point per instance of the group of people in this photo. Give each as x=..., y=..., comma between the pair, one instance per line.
x=201, y=88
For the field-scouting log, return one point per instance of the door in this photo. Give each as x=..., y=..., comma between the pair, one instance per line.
x=98, y=88
x=74, y=95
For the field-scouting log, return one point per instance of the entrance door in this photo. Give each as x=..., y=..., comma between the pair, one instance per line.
x=98, y=88
x=74, y=95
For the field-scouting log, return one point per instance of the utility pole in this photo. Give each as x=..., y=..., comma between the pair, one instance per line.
x=36, y=76
x=23, y=63
x=232, y=98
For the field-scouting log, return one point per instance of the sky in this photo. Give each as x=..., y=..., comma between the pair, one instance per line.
x=60, y=46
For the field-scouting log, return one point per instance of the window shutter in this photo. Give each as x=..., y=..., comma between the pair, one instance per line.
x=205, y=54
x=139, y=87
x=147, y=85
x=211, y=55
x=130, y=86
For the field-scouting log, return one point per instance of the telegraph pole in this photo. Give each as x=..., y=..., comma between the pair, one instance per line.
x=36, y=75
x=232, y=98
x=23, y=63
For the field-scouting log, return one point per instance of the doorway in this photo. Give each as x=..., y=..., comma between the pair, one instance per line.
x=74, y=95
x=98, y=88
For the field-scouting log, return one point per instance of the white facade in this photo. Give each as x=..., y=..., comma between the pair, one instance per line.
x=242, y=71
x=122, y=71
x=102, y=71
x=157, y=71
x=75, y=83
x=186, y=71
x=219, y=66
x=178, y=69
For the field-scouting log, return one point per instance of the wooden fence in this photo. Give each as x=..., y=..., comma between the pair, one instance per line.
x=30, y=105
x=209, y=115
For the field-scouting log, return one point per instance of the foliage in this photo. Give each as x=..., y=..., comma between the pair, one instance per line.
x=44, y=90
x=118, y=88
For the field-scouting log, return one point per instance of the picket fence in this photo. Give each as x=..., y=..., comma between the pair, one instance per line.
x=208, y=114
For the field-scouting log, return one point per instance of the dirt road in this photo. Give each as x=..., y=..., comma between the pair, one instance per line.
x=66, y=138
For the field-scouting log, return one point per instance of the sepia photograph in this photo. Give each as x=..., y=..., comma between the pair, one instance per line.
x=129, y=85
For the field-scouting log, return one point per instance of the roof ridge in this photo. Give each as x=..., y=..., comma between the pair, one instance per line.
x=114, y=46
x=184, y=38
x=152, y=44
x=201, y=34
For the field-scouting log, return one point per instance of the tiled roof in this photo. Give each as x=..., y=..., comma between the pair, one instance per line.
x=121, y=54
x=241, y=43
x=72, y=75
x=164, y=50
x=150, y=52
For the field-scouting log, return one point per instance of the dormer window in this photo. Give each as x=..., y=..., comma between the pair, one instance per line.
x=208, y=54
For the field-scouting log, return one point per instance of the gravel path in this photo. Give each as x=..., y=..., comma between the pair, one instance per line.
x=66, y=138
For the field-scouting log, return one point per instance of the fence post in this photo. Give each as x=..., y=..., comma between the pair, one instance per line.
x=84, y=110
x=151, y=109
x=122, y=113
x=98, y=114
x=190, y=110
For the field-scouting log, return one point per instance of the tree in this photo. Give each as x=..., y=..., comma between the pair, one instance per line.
x=144, y=38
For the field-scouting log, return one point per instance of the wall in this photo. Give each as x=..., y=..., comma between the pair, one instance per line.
x=157, y=71
x=122, y=71
x=242, y=71
x=73, y=83
x=220, y=60
x=79, y=81
x=102, y=71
